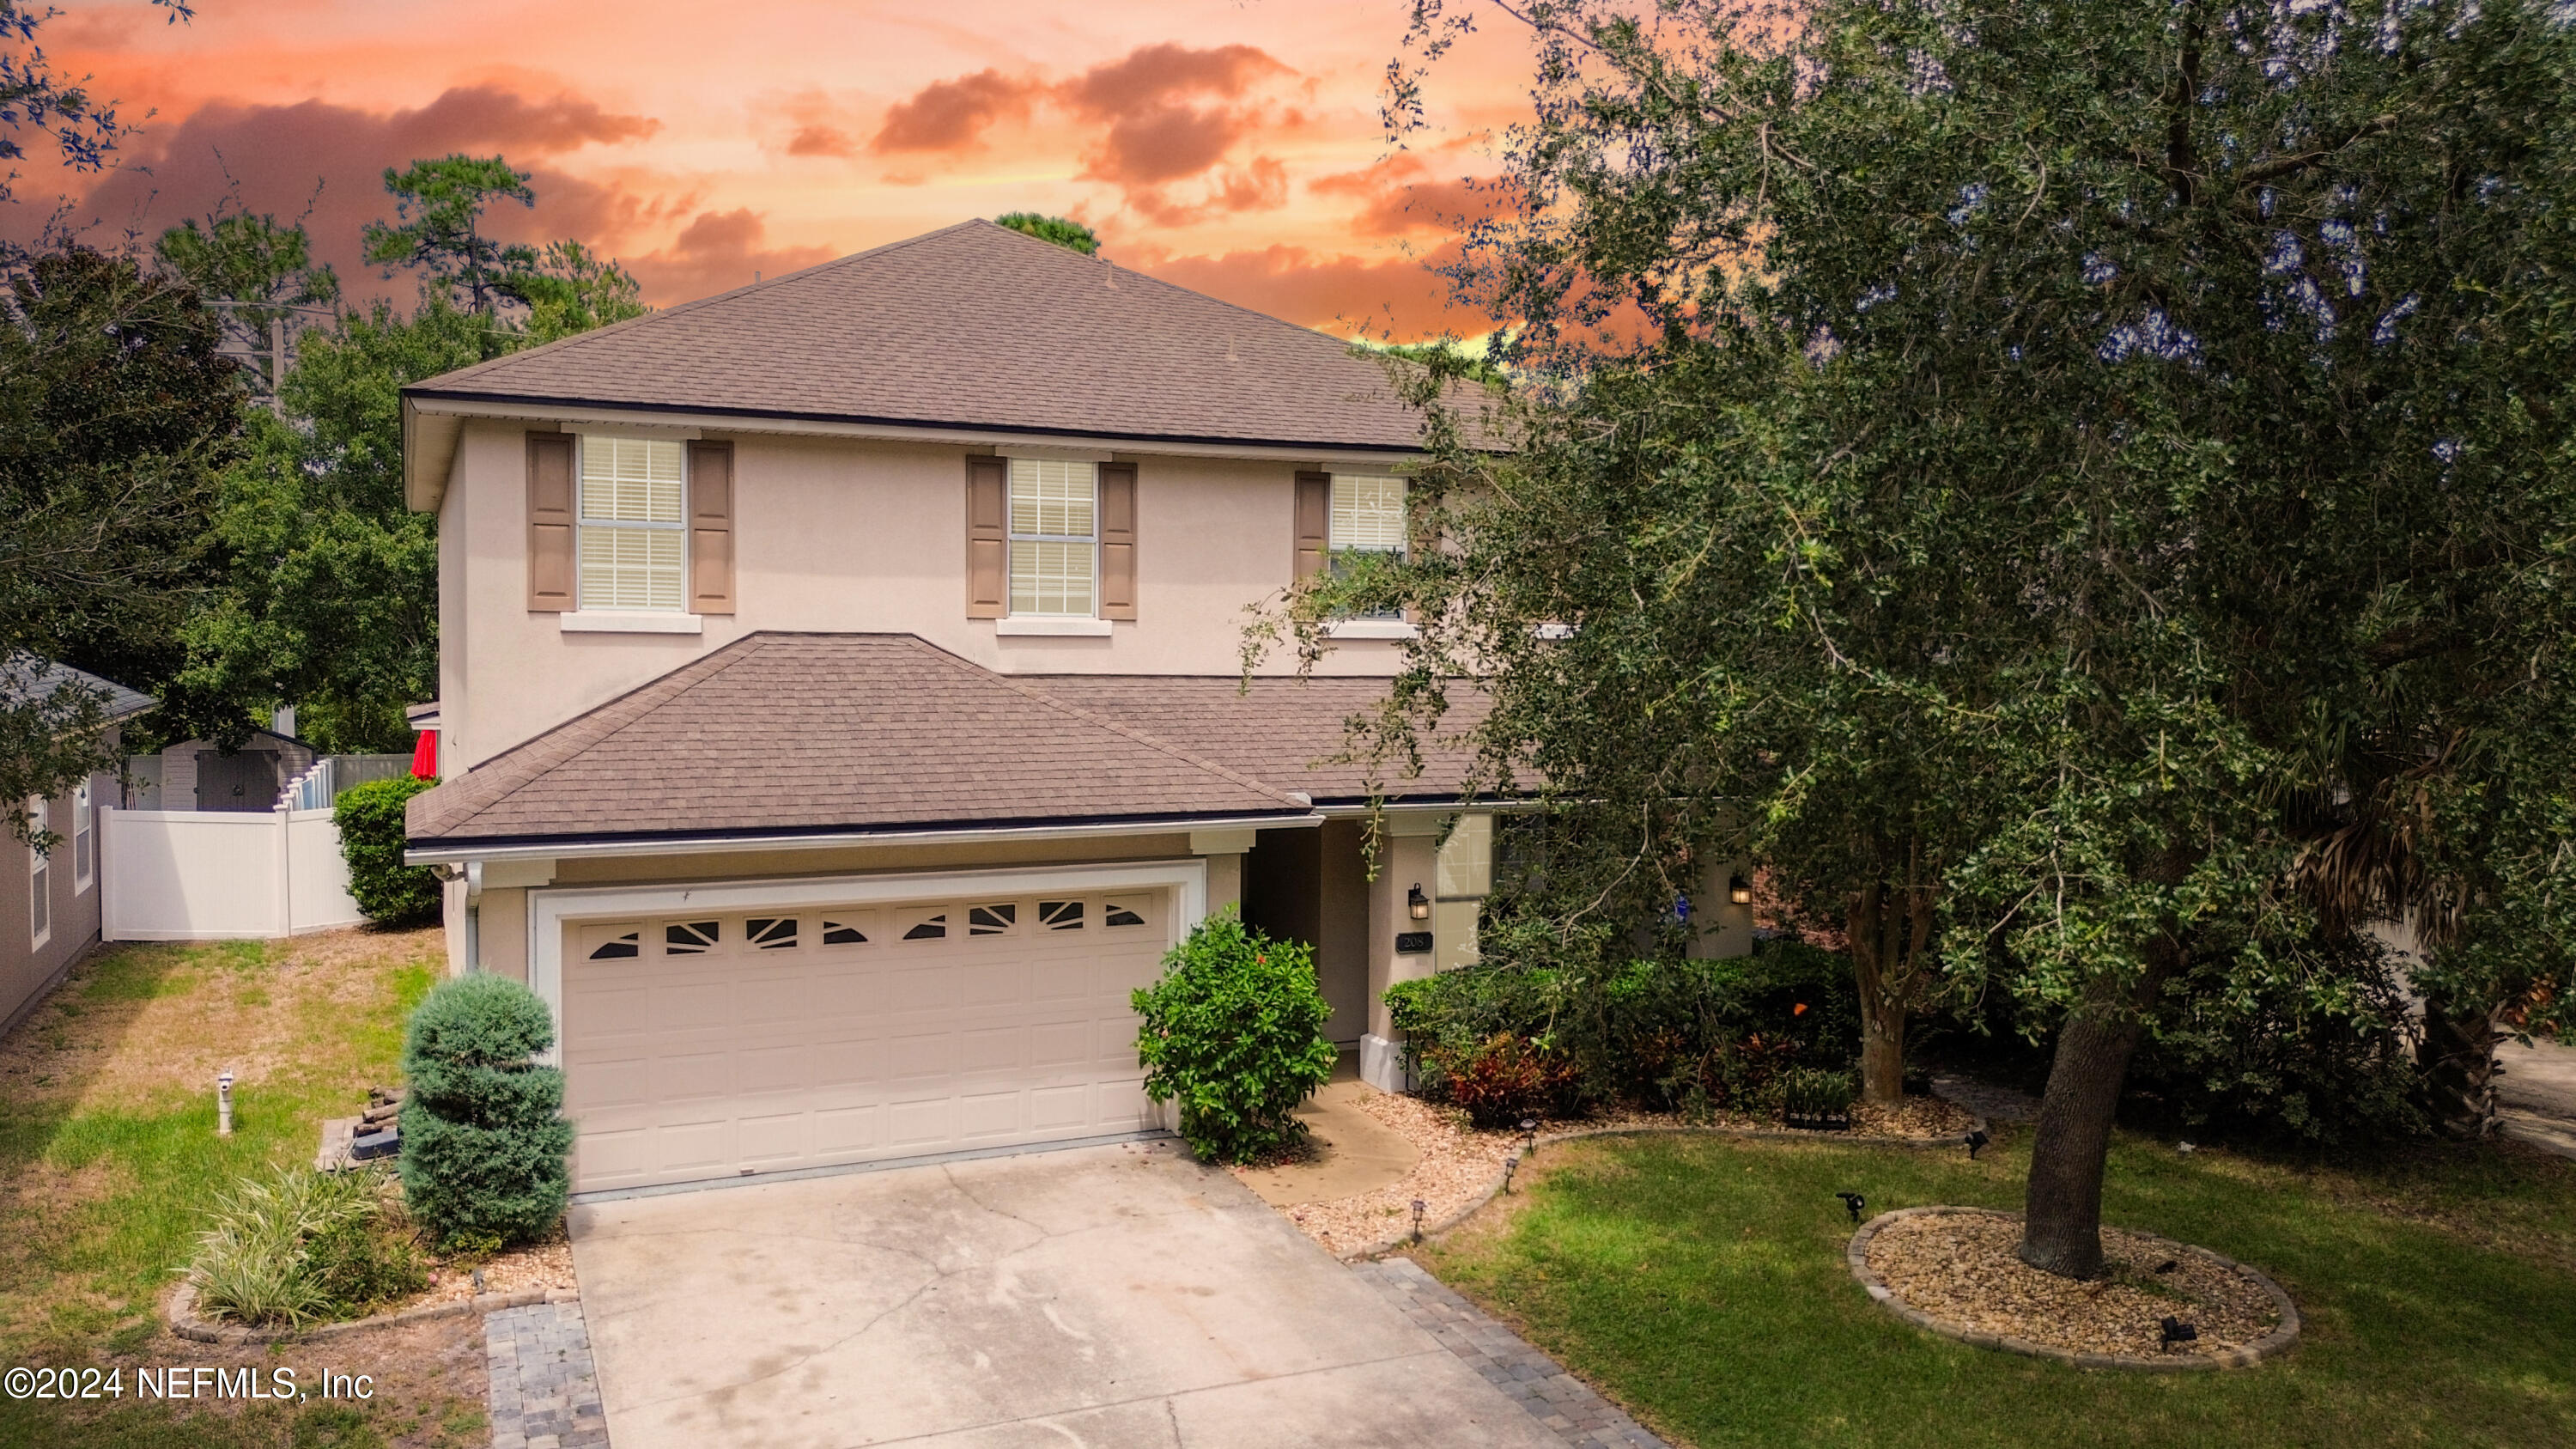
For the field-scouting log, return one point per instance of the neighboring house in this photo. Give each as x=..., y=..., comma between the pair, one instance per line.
x=49, y=900
x=840, y=709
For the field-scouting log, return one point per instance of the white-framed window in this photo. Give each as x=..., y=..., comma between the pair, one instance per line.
x=634, y=524
x=40, y=882
x=1367, y=517
x=84, y=841
x=1055, y=539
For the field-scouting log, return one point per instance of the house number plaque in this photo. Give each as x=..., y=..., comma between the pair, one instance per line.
x=1413, y=943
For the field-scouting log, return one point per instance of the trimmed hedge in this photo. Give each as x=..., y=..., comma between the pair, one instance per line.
x=1234, y=1031
x=370, y=817
x=484, y=1140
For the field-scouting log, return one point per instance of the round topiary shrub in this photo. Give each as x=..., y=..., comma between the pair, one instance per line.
x=483, y=1136
x=370, y=817
x=1234, y=1032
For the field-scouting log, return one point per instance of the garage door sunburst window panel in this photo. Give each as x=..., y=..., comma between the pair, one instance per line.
x=634, y=531
x=1054, y=538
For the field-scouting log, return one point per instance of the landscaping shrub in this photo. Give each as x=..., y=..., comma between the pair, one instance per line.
x=370, y=817
x=1508, y=1078
x=300, y=1246
x=1807, y=1093
x=1234, y=1032
x=1672, y=1035
x=483, y=1135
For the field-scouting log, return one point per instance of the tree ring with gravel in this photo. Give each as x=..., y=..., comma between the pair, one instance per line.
x=1952, y=1271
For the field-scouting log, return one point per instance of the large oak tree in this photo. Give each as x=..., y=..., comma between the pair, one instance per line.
x=2098, y=471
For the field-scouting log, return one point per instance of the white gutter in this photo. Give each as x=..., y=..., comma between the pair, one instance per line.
x=739, y=844
x=430, y=426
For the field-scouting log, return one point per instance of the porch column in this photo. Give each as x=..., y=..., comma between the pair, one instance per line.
x=1408, y=860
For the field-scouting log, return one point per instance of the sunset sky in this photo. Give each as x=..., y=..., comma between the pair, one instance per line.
x=1229, y=145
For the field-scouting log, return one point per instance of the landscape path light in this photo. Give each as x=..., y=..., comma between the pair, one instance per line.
x=1529, y=1136
x=1419, y=1207
x=1975, y=1139
x=1854, y=1202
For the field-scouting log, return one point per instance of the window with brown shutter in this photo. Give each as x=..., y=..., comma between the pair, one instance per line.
x=550, y=523
x=711, y=528
x=1118, y=540
x=988, y=538
x=1314, y=523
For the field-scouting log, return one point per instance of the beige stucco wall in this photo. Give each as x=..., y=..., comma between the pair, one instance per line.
x=839, y=535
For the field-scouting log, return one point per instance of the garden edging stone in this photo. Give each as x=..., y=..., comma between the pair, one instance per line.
x=185, y=1322
x=1408, y=1238
x=2283, y=1336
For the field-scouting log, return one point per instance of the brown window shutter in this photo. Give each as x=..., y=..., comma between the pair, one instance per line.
x=550, y=523
x=1118, y=540
x=711, y=528
x=988, y=538
x=1314, y=522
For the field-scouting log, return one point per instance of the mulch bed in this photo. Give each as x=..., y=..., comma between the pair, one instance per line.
x=1960, y=1268
x=1460, y=1162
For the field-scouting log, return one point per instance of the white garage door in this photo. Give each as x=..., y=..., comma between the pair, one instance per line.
x=716, y=1045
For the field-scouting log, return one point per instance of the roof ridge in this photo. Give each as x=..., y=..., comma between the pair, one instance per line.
x=567, y=344
x=1116, y=727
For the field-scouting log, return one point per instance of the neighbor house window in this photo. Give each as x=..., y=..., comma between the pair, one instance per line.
x=1367, y=517
x=1055, y=538
x=84, y=841
x=633, y=529
x=40, y=888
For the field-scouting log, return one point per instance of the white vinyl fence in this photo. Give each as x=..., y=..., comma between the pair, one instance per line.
x=206, y=875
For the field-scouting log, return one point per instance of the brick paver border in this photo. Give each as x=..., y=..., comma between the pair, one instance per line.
x=544, y=1387
x=1534, y=1381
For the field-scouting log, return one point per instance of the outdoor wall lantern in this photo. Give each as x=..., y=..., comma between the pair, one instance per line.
x=1740, y=891
x=1416, y=904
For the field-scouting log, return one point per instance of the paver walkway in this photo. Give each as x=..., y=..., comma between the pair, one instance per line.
x=1557, y=1399
x=545, y=1391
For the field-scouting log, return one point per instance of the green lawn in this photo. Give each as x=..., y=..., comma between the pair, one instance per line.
x=108, y=1150
x=1701, y=1282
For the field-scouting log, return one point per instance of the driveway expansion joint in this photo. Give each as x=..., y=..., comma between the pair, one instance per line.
x=1560, y=1402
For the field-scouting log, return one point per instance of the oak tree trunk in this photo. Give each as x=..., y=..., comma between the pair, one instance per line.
x=2062, y=1217
x=1888, y=938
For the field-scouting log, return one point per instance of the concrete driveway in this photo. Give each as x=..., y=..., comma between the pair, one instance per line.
x=1107, y=1296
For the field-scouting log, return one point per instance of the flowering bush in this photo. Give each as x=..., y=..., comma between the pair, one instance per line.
x=1234, y=1032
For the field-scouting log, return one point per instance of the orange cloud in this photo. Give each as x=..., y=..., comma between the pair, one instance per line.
x=326, y=162
x=717, y=252
x=1398, y=295
x=952, y=115
x=1399, y=197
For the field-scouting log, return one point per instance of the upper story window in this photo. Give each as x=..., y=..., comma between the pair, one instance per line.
x=1368, y=514
x=634, y=530
x=1367, y=517
x=1055, y=538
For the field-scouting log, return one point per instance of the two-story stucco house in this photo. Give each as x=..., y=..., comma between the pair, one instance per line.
x=841, y=705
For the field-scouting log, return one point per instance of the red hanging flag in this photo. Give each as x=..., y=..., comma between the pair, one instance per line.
x=424, y=756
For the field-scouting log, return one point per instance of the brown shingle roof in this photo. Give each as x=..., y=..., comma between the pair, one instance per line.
x=1280, y=730
x=823, y=733
x=972, y=326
